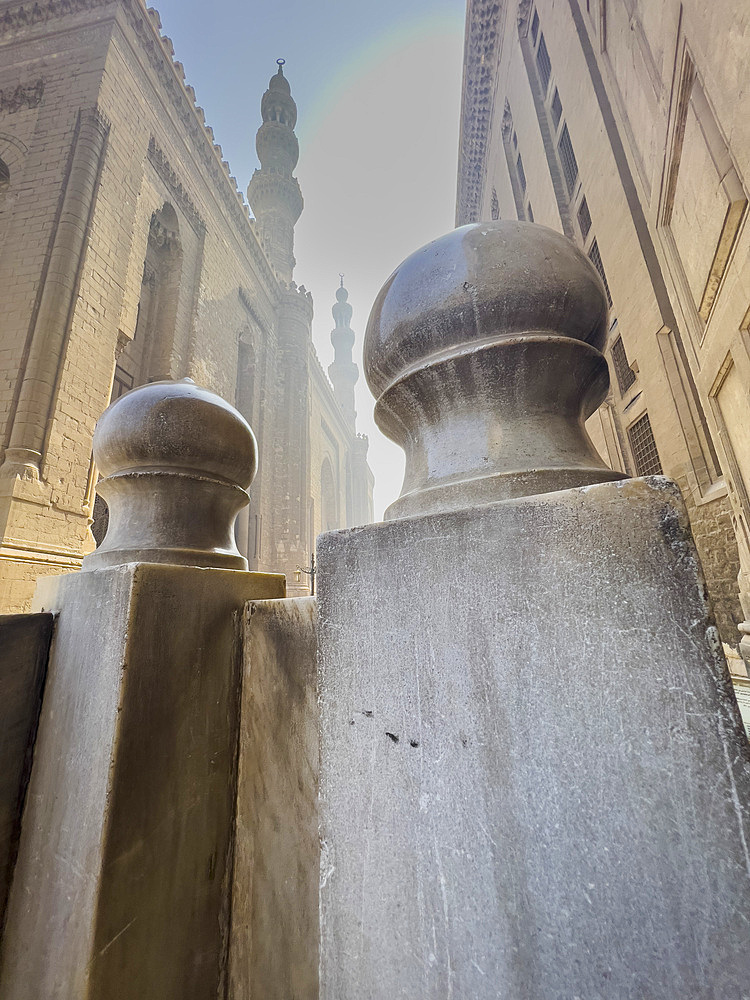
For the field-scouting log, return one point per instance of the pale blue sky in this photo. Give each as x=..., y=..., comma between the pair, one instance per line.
x=377, y=86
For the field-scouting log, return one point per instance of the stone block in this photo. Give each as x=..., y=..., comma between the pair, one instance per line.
x=121, y=889
x=274, y=944
x=534, y=779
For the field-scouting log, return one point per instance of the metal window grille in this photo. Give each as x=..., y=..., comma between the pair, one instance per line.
x=584, y=218
x=543, y=64
x=521, y=174
x=643, y=446
x=624, y=373
x=596, y=259
x=530, y=212
x=556, y=108
x=568, y=159
x=534, y=27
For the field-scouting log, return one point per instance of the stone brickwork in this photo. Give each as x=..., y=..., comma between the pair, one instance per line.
x=620, y=125
x=715, y=539
x=127, y=254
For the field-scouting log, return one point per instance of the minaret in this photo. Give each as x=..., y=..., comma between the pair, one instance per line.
x=273, y=193
x=343, y=373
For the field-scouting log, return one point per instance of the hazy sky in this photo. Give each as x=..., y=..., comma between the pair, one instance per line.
x=377, y=87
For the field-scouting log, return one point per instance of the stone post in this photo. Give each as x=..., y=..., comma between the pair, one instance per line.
x=534, y=781
x=122, y=885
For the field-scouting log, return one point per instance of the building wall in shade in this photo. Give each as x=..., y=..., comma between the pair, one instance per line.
x=630, y=121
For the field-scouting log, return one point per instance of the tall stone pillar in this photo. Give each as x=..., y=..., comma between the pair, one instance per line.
x=534, y=779
x=122, y=884
x=293, y=541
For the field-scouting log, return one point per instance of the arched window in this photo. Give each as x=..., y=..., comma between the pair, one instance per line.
x=4, y=183
x=12, y=153
x=329, y=520
x=148, y=356
x=245, y=375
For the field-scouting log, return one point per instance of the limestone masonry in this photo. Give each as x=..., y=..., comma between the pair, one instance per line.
x=128, y=255
x=625, y=124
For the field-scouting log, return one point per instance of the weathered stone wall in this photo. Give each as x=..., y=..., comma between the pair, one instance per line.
x=274, y=938
x=533, y=772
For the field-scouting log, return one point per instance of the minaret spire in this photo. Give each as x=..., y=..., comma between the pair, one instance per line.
x=343, y=372
x=273, y=193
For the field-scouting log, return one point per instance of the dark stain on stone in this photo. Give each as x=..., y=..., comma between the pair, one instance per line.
x=368, y=714
x=392, y=736
x=413, y=743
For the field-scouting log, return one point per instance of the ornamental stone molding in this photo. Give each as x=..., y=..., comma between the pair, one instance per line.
x=482, y=46
x=24, y=96
x=27, y=15
x=163, y=168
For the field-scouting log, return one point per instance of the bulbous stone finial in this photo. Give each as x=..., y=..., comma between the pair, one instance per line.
x=177, y=461
x=483, y=350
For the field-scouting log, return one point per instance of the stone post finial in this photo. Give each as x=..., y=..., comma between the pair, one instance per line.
x=177, y=461
x=483, y=351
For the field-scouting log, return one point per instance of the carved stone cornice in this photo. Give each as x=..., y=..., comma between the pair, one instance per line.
x=524, y=9
x=24, y=96
x=484, y=21
x=507, y=126
x=164, y=169
x=26, y=15
x=250, y=308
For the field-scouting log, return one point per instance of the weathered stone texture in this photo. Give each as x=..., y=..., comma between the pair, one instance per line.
x=24, y=645
x=122, y=884
x=716, y=542
x=274, y=942
x=534, y=778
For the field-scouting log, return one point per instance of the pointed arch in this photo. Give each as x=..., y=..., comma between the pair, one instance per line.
x=329, y=519
x=148, y=357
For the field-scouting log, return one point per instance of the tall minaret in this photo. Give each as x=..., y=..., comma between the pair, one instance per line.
x=273, y=193
x=343, y=373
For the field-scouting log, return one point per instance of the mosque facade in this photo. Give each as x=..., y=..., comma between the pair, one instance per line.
x=128, y=254
x=624, y=125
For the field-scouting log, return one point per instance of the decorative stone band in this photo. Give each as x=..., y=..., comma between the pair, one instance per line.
x=483, y=351
x=177, y=461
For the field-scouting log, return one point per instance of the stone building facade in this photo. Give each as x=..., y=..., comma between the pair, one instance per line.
x=128, y=254
x=624, y=124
